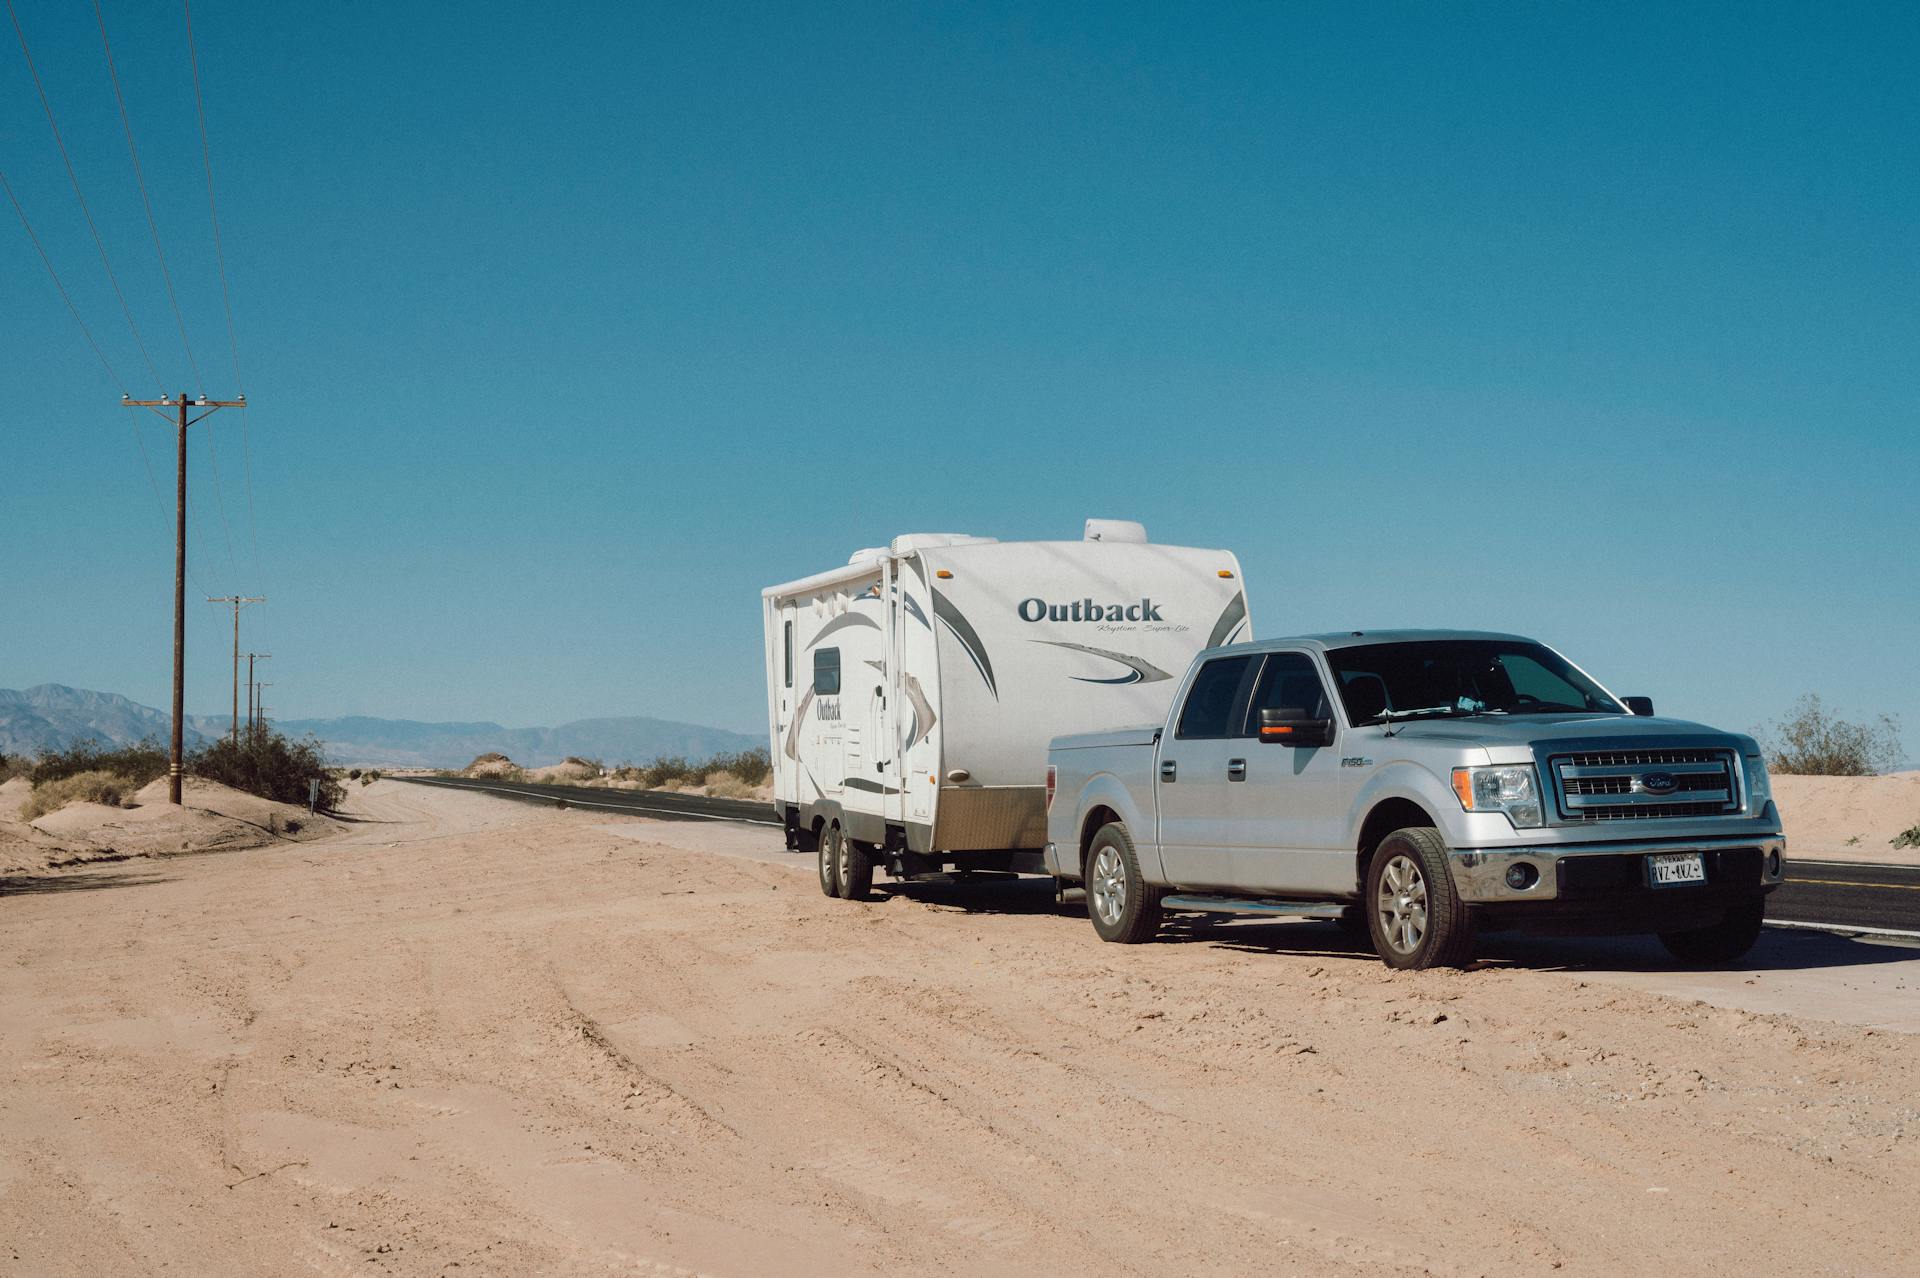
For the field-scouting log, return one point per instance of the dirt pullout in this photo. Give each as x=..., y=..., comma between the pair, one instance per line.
x=481, y=1033
x=1850, y=818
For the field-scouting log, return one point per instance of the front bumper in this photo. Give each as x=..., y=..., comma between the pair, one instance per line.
x=1604, y=873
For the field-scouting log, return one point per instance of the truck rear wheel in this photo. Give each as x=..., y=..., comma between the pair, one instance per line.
x=1721, y=942
x=1123, y=907
x=856, y=869
x=827, y=847
x=1416, y=918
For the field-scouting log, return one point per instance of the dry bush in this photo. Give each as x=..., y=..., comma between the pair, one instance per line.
x=110, y=788
x=143, y=762
x=266, y=764
x=1813, y=742
x=725, y=785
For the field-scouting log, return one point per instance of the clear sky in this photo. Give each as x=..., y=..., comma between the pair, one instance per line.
x=570, y=327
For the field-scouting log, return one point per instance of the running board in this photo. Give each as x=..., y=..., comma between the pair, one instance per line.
x=1234, y=905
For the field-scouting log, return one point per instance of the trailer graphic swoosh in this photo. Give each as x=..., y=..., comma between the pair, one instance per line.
x=912, y=606
x=1230, y=619
x=969, y=640
x=1139, y=671
x=842, y=622
x=792, y=747
x=923, y=716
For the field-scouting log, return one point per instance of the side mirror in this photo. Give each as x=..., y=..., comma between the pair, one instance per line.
x=1641, y=706
x=1289, y=725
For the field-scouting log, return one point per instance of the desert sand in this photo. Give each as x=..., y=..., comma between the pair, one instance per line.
x=1850, y=818
x=472, y=1033
x=211, y=818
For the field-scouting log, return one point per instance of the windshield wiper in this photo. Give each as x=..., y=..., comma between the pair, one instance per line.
x=1391, y=717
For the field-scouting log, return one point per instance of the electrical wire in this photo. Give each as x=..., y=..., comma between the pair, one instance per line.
x=85, y=212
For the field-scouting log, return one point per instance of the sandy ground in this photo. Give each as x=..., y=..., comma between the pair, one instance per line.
x=210, y=818
x=474, y=1037
x=1850, y=818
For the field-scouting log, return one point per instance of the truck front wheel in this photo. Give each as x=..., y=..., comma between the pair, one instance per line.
x=1123, y=907
x=1722, y=942
x=1416, y=918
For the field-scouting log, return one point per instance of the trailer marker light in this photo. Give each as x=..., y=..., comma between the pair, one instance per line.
x=1226, y=574
x=943, y=574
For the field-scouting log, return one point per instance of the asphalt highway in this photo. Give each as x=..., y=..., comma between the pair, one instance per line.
x=1832, y=895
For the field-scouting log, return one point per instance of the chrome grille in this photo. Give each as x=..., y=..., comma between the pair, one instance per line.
x=1611, y=785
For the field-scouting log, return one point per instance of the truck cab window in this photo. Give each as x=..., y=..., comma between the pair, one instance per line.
x=1210, y=700
x=1288, y=680
x=826, y=672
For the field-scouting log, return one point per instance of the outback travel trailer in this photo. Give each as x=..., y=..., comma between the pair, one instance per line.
x=911, y=694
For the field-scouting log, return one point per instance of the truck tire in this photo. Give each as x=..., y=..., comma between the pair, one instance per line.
x=1123, y=907
x=827, y=848
x=1721, y=942
x=856, y=870
x=1414, y=915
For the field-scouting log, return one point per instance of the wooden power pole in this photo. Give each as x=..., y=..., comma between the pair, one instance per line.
x=236, y=601
x=252, y=688
x=182, y=404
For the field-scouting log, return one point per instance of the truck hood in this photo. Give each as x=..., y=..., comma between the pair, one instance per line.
x=1528, y=729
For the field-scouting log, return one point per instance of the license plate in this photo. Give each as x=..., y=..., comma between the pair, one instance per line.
x=1672, y=869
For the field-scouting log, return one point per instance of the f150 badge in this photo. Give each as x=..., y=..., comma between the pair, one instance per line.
x=1355, y=761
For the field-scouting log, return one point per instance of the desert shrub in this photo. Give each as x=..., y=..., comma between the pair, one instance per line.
x=14, y=765
x=725, y=785
x=353, y=774
x=141, y=762
x=1908, y=838
x=368, y=777
x=269, y=765
x=753, y=766
x=95, y=786
x=578, y=762
x=1813, y=742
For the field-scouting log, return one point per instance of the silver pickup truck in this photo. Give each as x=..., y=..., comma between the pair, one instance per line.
x=1418, y=786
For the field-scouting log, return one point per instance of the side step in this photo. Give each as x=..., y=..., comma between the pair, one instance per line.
x=1329, y=910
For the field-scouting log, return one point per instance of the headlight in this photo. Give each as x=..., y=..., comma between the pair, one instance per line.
x=1511, y=790
x=1759, y=791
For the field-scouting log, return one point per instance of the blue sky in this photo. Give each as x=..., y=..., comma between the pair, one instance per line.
x=569, y=328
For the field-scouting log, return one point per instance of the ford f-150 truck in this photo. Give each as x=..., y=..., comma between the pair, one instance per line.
x=1422, y=785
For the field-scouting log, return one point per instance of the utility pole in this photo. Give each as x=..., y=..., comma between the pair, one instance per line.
x=236, y=601
x=251, y=658
x=260, y=707
x=182, y=404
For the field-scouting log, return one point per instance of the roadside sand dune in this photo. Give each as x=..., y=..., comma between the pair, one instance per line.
x=528, y=1041
x=1851, y=818
x=211, y=818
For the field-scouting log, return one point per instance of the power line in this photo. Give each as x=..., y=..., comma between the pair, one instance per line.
x=47, y=105
x=166, y=275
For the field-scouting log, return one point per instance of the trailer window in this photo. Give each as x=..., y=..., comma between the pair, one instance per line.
x=789, y=657
x=826, y=672
x=1210, y=700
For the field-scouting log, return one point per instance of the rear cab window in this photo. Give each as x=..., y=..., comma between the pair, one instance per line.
x=1208, y=711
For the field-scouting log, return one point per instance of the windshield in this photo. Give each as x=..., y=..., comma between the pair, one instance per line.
x=1441, y=677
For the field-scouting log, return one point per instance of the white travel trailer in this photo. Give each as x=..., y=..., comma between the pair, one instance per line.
x=911, y=694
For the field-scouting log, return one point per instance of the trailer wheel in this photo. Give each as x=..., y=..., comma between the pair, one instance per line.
x=856, y=869
x=1721, y=942
x=828, y=849
x=1124, y=909
x=1416, y=918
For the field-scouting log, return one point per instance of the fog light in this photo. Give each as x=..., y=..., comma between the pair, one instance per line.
x=1521, y=875
x=1773, y=865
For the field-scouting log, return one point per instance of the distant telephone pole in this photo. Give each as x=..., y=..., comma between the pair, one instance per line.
x=251, y=686
x=260, y=708
x=182, y=404
x=236, y=601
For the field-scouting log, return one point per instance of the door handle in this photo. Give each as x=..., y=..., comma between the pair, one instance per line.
x=1236, y=769
x=1169, y=770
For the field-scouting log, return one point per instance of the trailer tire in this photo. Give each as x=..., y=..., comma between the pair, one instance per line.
x=827, y=849
x=856, y=869
x=1721, y=942
x=1414, y=915
x=1124, y=908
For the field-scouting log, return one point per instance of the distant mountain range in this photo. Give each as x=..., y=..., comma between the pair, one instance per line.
x=52, y=716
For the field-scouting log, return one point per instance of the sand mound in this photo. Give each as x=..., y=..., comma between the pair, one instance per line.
x=154, y=829
x=1853, y=818
x=570, y=770
x=12, y=794
x=287, y=820
x=492, y=764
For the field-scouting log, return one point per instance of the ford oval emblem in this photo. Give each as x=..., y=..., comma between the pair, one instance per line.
x=1659, y=782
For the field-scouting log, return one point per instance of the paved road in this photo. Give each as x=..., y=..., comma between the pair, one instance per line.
x=1828, y=893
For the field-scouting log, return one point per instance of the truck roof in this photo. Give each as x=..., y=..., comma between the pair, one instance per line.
x=1330, y=641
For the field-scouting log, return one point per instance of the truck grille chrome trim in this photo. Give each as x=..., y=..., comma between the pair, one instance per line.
x=1625, y=785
